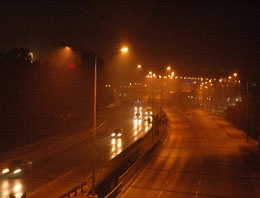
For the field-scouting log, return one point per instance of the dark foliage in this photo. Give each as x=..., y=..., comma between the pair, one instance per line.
x=39, y=100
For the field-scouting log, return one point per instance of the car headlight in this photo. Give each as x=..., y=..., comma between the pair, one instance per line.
x=17, y=171
x=6, y=170
x=140, y=108
x=151, y=113
x=119, y=134
x=135, y=108
x=146, y=113
x=113, y=134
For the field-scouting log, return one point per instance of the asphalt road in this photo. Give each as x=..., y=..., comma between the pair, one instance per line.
x=58, y=167
x=202, y=156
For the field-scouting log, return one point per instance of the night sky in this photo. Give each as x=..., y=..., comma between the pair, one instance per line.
x=193, y=36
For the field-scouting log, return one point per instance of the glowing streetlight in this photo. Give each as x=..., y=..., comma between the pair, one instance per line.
x=139, y=66
x=168, y=68
x=124, y=49
x=235, y=74
x=172, y=73
x=229, y=77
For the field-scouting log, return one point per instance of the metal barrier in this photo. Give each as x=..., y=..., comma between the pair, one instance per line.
x=74, y=190
x=129, y=173
x=102, y=172
x=114, y=191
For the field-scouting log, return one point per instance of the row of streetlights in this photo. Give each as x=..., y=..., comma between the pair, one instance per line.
x=122, y=50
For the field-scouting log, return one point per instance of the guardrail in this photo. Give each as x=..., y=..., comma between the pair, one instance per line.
x=74, y=190
x=114, y=191
x=130, y=172
x=112, y=165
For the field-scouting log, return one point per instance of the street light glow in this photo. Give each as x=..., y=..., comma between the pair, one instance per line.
x=168, y=68
x=139, y=66
x=235, y=74
x=124, y=49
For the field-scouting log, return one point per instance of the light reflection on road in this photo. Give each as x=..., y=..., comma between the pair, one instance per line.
x=116, y=147
x=11, y=186
x=140, y=127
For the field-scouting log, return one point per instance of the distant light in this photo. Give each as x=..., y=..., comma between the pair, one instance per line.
x=229, y=77
x=168, y=68
x=139, y=66
x=150, y=72
x=124, y=49
x=71, y=66
x=172, y=73
x=67, y=48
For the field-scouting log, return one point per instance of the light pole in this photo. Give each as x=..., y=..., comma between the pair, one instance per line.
x=124, y=50
x=94, y=130
x=237, y=98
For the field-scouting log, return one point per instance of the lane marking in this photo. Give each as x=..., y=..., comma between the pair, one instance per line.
x=52, y=182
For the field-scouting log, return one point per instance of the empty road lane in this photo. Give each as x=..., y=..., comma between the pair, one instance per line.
x=202, y=156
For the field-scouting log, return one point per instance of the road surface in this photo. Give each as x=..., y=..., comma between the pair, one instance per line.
x=60, y=166
x=202, y=156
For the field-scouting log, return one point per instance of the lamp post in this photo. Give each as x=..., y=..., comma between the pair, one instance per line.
x=94, y=130
x=237, y=98
x=124, y=50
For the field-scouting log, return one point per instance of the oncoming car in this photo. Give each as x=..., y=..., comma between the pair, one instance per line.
x=16, y=168
x=117, y=133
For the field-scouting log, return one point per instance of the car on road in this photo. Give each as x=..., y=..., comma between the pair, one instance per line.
x=148, y=114
x=16, y=168
x=138, y=105
x=138, y=116
x=117, y=133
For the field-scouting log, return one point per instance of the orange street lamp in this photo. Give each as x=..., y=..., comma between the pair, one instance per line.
x=235, y=74
x=139, y=66
x=124, y=49
x=168, y=68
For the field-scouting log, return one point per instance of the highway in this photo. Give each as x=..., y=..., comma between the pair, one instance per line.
x=58, y=167
x=202, y=156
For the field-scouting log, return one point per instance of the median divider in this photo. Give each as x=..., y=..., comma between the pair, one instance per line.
x=138, y=149
x=154, y=137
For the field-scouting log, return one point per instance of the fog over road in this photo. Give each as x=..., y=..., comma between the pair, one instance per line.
x=64, y=164
x=202, y=156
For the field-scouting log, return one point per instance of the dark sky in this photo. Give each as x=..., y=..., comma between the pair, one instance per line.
x=190, y=35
